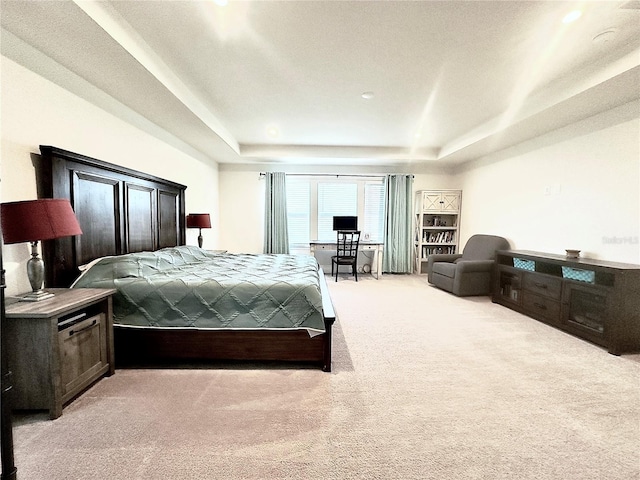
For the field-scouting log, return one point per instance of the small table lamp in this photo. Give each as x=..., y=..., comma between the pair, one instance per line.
x=199, y=220
x=35, y=220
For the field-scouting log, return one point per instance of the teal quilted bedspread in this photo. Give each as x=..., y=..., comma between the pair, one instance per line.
x=187, y=287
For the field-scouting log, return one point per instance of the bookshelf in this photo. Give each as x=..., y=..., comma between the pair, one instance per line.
x=437, y=224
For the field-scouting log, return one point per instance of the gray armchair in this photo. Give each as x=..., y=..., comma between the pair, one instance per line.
x=468, y=273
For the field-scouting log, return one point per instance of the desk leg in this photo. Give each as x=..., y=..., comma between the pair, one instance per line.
x=378, y=262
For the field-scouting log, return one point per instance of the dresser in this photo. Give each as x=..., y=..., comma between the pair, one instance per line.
x=59, y=347
x=595, y=300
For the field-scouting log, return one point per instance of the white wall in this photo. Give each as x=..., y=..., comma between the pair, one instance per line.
x=578, y=188
x=37, y=112
x=241, y=211
x=242, y=196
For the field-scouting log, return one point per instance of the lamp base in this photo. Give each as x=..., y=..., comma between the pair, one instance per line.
x=36, y=296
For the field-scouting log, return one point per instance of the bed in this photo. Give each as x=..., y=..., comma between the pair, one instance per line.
x=231, y=307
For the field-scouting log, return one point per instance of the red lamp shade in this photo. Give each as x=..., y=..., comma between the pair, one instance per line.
x=34, y=220
x=198, y=220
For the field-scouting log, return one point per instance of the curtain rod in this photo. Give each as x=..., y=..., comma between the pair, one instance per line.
x=379, y=175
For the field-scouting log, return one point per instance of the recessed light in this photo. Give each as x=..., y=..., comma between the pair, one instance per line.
x=367, y=95
x=572, y=16
x=273, y=131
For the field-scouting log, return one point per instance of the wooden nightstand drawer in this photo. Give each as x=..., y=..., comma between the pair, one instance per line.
x=83, y=354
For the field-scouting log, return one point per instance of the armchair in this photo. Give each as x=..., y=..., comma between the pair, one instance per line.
x=468, y=273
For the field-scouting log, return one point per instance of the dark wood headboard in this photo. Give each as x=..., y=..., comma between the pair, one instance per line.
x=119, y=210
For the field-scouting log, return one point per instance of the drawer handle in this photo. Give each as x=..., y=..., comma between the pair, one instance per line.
x=540, y=306
x=92, y=324
x=541, y=285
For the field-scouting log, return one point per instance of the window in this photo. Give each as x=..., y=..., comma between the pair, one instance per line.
x=335, y=199
x=312, y=201
x=374, y=210
x=298, y=212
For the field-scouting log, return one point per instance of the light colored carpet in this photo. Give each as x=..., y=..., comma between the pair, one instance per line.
x=424, y=386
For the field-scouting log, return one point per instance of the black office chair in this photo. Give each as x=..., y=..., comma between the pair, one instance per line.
x=346, y=252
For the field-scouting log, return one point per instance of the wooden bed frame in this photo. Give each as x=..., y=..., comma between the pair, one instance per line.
x=123, y=211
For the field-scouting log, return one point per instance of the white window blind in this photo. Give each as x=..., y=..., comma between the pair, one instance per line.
x=335, y=199
x=373, y=225
x=298, y=194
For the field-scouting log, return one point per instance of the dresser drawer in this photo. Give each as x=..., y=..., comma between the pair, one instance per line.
x=544, y=285
x=540, y=306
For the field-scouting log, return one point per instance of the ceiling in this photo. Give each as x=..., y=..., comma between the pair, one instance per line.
x=282, y=81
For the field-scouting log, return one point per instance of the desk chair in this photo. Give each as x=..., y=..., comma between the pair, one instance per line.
x=346, y=251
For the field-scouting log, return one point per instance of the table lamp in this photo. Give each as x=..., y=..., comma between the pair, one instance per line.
x=33, y=221
x=199, y=220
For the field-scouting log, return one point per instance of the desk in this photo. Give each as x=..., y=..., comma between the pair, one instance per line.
x=376, y=247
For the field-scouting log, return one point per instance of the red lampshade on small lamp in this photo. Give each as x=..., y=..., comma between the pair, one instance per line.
x=32, y=221
x=199, y=220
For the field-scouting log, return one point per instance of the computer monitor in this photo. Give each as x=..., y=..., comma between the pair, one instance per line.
x=345, y=223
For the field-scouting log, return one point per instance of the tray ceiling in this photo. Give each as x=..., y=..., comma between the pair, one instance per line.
x=283, y=81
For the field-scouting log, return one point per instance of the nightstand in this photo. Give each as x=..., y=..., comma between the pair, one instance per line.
x=59, y=347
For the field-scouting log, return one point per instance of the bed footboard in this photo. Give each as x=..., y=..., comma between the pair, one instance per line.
x=139, y=346
x=136, y=347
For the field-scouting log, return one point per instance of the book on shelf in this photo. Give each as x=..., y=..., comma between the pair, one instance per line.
x=439, y=237
x=426, y=250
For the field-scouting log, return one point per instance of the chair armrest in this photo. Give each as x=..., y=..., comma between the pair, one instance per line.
x=439, y=257
x=443, y=257
x=467, y=266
